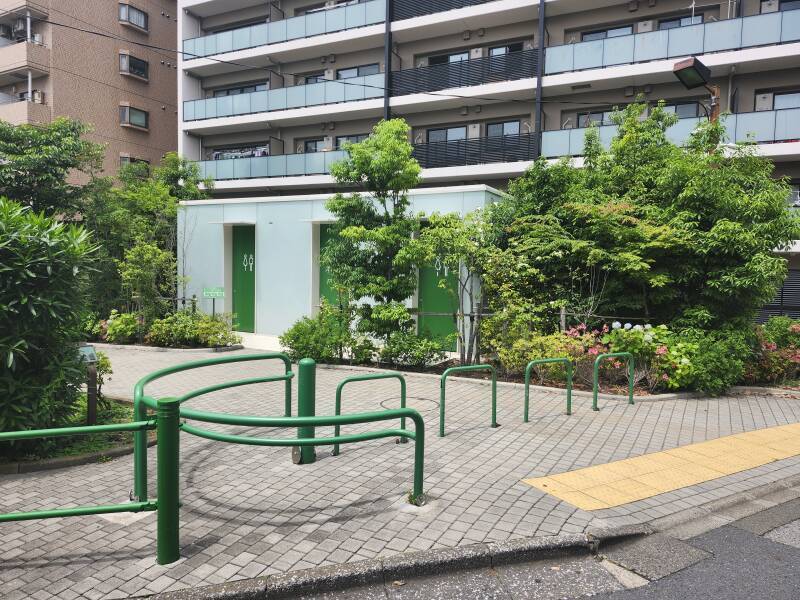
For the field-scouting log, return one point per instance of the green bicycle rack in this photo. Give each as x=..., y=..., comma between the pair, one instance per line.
x=543, y=361
x=596, y=375
x=373, y=377
x=463, y=369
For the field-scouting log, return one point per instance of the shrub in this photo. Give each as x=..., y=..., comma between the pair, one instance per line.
x=121, y=328
x=43, y=275
x=408, y=349
x=327, y=337
x=718, y=361
x=782, y=331
x=185, y=328
x=533, y=347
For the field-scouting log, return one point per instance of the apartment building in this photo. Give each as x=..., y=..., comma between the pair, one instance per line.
x=269, y=92
x=110, y=64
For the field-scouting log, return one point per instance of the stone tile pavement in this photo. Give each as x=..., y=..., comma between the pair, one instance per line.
x=249, y=511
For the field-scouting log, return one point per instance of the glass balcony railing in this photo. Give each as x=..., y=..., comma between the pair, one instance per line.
x=762, y=127
x=299, y=96
x=283, y=165
x=311, y=24
x=729, y=34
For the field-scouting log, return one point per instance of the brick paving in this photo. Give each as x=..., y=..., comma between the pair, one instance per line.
x=249, y=511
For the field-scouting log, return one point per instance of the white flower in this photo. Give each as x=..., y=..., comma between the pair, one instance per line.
x=638, y=328
x=648, y=337
x=628, y=326
x=648, y=327
x=684, y=361
x=616, y=325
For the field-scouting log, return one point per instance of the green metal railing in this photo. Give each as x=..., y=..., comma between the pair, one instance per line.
x=371, y=377
x=140, y=406
x=596, y=375
x=543, y=361
x=463, y=369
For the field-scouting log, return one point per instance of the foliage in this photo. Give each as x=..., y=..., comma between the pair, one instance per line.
x=148, y=275
x=516, y=357
x=776, y=355
x=104, y=371
x=44, y=266
x=189, y=329
x=648, y=229
x=373, y=227
x=39, y=162
x=327, y=337
x=407, y=349
x=121, y=328
x=782, y=331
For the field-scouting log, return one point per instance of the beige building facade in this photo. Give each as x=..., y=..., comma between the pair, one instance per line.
x=109, y=64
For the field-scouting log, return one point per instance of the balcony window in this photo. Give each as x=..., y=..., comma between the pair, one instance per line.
x=360, y=71
x=599, y=117
x=130, y=65
x=790, y=4
x=684, y=110
x=313, y=78
x=794, y=196
x=504, y=128
x=447, y=134
x=249, y=151
x=443, y=59
x=133, y=117
x=501, y=50
x=240, y=89
x=124, y=161
x=341, y=140
x=787, y=100
x=590, y=36
x=680, y=22
x=133, y=16
x=315, y=145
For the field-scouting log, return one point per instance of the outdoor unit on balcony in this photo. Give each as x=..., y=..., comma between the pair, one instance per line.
x=770, y=6
x=765, y=101
x=5, y=32
x=38, y=96
x=645, y=26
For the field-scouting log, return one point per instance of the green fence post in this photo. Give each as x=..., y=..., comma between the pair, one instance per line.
x=630, y=379
x=569, y=387
x=306, y=391
x=139, y=452
x=168, y=427
x=287, y=402
x=494, y=398
x=418, y=496
x=441, y=404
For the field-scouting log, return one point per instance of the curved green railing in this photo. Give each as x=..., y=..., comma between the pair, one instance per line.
x=542, y=361
x=596, y=375
x=141, y=402
x=463, y=369
x=370, y=377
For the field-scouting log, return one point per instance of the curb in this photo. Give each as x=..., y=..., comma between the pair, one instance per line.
x=142, y=348
x=404, y=566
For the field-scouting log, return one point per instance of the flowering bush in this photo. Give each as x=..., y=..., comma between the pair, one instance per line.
x=777, y=352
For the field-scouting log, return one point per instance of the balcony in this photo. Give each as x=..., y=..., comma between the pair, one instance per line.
x=299, y=96
x=764, y=127
x=729, y=34
x=284, y=165
x=406, y=9
x=508, y=67
x=304, y=26
x=19, y=58
x=21, y=112
x=476, y=151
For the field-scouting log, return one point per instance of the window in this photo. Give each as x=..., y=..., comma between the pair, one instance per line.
x=787, y=100
x=590, y=36
x=447, y=134
x=790, y=4
x=443, y=59
x=134, y=16
x=601, y=117
x=341, y=140
x=680, y=22
x=315, y=145
x=684, y=110
x=311, y=8
x=240, y=89
x=134, y=117
x=314, y=78
x=248, y=151
x=501, y=50
x=130, y=65
x=361, y=71
x=504, y=128
x=130, y=160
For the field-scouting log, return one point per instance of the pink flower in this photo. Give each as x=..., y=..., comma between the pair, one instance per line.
x=605, y=329
x=794, y=327
x=661, y=350
x=594, y=351
x=665, y=377
x=581, y=327
x=771, y=346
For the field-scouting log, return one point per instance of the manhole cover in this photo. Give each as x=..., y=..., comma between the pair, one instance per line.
x=415, y=402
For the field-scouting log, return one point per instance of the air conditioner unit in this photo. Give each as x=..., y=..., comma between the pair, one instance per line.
x=474, y=130
x=327, y=142
x=36, y=38
x=527, y=127
x=5, y=32
x=38, y=96
x=764, y=101
x=329, y=74
x=770, y=6
x=476, y=53
x=423, y=62
x=645, y=26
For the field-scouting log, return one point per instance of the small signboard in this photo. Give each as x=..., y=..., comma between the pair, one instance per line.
x=88, y=354
x=214, y=292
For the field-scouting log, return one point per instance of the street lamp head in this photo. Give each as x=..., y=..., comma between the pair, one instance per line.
x=692, y=73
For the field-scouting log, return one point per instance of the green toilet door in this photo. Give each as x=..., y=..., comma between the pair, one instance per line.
x=244, y=278
x=434, y=299
x=325, y=289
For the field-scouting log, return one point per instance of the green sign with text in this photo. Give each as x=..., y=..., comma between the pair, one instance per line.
x=213, y=292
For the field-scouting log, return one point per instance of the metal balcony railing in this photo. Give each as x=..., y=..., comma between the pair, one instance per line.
x=728, y=34
x=405, y=9
x=476, y=151
x=282, y=165
x=507, y=67
x=304, y=26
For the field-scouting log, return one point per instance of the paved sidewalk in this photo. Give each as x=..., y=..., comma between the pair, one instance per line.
x=249, y=511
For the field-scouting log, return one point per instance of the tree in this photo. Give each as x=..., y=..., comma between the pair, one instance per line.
x=148, y=276
x=646, y=229
x=373, y=226
x=40, y=163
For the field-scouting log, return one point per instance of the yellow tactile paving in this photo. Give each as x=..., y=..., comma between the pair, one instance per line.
x=632, y=479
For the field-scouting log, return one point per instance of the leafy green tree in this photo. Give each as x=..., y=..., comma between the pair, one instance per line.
x=148, y=276
x=373, y=226
x=40, y=165
x=645, y=229
x=44, y=267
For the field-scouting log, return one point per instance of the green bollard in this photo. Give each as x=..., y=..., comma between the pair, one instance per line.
x=306, y=400
x=168, y=450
